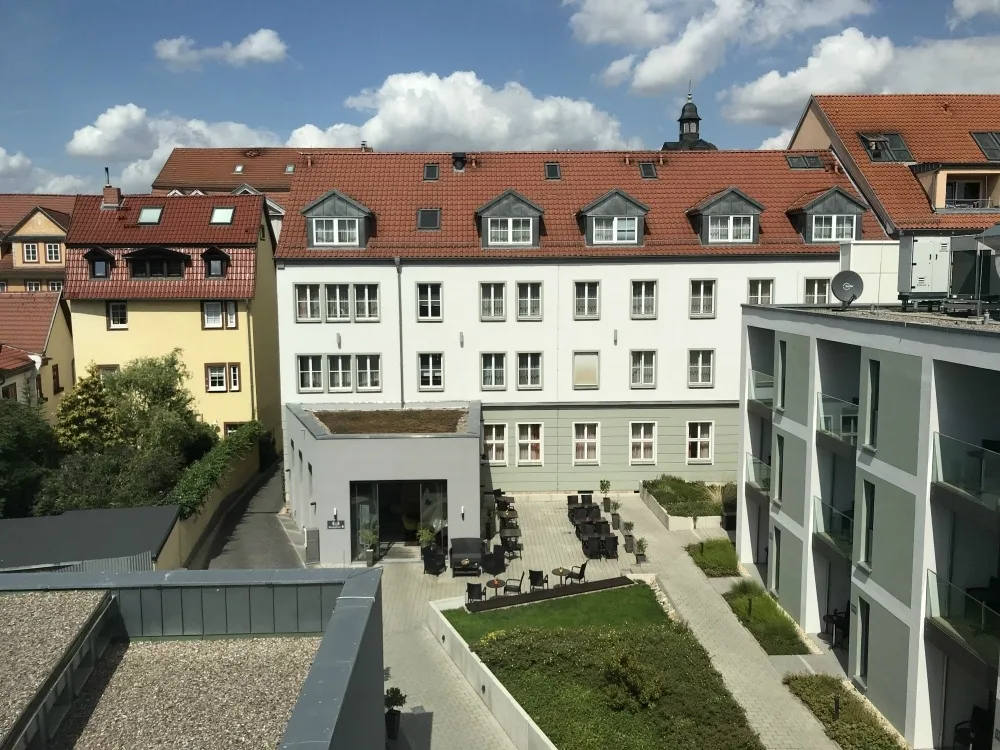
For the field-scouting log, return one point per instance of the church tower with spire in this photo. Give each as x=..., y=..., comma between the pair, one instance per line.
x=689, y=138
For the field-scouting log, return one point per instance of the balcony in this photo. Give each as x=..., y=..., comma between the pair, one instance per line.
x=959, y=619
x=836, y=424
x=966, y=472
x=835, y=528
x=970, y=204
x=758, y=479
x=760, y=393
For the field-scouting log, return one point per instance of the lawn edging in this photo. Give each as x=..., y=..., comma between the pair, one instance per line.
x=514, y=720
x=678, y=523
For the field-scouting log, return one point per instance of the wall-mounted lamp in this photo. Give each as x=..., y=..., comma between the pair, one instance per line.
x=463, y=512
x=461, y=339
x=616, y=337
x=313, y=504
x=334, y=514
x=338, y=340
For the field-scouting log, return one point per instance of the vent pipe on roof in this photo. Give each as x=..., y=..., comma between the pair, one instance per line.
x=364, y=146
x=107, y=177
x=458, y=161
x=627, y=159
x=309, y=160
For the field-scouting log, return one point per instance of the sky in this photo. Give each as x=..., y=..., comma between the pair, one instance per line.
x=89, y=84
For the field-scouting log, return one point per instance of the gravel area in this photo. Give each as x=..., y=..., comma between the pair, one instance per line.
x=214, y=694
x=36, y=628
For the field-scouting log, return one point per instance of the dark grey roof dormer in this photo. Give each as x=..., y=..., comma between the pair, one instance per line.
x=729, y=202
x=615, y=202
x=835, y=201
x=336, y=205
x=510, y=204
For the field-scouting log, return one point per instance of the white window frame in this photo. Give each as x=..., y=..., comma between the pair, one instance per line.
x=646, y=298
x=430, y=317
x=299, y=372
x=309, y=302
x=366, y=299
x=642, y=440
x=699, y=294
x=490, y=443
x=586, y=298
x=620, y=225
x=540, y=461
x=641, y=353
x=341, y=372
x=757, y=299
x=222, y=372
x=54, y=286
x=368, y=371
x=587, y=441
x=503, y=230
x=150, y=215
x=699, y=355
x=232, y=313
x=529, y=386
x=33, y=247
x=111, y=315
x=431, y=369
x=35, y=286
x=235, y=375
x=49, y=247
x=814, y=295
x=492, y=369
x=837, y=224
x=222, y=215
x=488, y=296
x=339, y=225
x=340, y=295
x=588, y=353
x=716, y=222
x=699, y=440
x=526, y=286
x=205, y=318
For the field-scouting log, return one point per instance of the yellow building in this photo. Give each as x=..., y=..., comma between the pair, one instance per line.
x=32, y=241
x=148, y=274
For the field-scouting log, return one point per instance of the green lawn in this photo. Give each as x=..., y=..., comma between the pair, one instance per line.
x=857, y=728
x=717, y=557
x=764, y=618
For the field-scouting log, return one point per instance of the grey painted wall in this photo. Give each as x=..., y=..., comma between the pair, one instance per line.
x=798, y=401
x=968, y=409
x=793, y=485
x=892, y=539
x=899, y=407
x=790, y=589
x=888, y=659
x=559, y=473
x=760, y=344
x=839, y=369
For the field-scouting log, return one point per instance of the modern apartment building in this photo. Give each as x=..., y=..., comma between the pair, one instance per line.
x=148, y=274
x=871, y=487
x=32, y=241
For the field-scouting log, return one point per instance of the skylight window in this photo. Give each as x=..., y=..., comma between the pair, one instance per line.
x=150, y=214
x=289, y=168
x=989, y=143
x=431, y=172
x=238, y=169
x=222, y=215
x=552, y=171
x=886, y=147
x=429, y=218
x=648, y=170
x=810, y=161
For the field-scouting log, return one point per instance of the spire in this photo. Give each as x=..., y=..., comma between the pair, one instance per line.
x=689, y=89
x=689, y=119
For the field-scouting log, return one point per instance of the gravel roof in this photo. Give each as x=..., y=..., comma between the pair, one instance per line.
x=217, y=693
x=896, y=316
x=35, y=630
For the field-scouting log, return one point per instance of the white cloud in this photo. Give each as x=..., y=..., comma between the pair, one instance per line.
x=263, y=46
x=618, y=71
x=963, y=10
x=777, y=142
x=18, y=174
x=636, y=23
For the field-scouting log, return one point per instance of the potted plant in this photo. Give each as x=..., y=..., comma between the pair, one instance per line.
x=394, y=700
x=426, y=536
x=627, y=527
x=640, y=550
x=368, y=534
x=491, y=521
x=605, y=489
x=615, y=518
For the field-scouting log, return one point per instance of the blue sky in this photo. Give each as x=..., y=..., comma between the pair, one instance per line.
x=85, y=83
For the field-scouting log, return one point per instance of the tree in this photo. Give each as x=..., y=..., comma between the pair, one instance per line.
x=29, y=451
x=85, y=421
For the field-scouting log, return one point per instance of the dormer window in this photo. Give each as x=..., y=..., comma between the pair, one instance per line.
x=614, y=229
x=99, y=269
x=335, y=231
x=150, y=214
x=216, y=263
x=886, y=147
x=510, y=231
x=730, y=228
x=832, y=227
x=222, y=215
x=156, y=268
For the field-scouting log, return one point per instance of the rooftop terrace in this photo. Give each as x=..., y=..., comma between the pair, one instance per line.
x=895, y=316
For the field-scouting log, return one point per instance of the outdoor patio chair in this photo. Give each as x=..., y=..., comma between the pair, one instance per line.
x=512, y=546
x=434, y=560
x=594, y=513
x=578, y=515
x=602, y=527
x=586, y=497
x=584, y=530
x=537, y=580
x=592, y=547
x=976, y=732
x=502, y=504
x=611, y=546
x=495, y=562
x=577, y=573
x=513, y=585
x=474, y=592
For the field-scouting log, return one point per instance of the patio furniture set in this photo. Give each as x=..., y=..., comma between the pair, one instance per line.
x=594, y=532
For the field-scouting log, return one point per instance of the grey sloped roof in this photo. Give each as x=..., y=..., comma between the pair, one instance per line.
x=85, y=535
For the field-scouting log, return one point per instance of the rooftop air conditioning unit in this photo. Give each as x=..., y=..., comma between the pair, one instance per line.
x=924, y=268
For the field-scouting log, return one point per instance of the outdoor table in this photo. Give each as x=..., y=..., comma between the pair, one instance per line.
x=562, y=573
x=514, y=533
x=496, y=584
x=508, y=515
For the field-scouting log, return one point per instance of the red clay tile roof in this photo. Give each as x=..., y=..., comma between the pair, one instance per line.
x=936, y=128
x=12, y=360
x=392, y=186
x=185, y=221
x=26, y=319
x=15, y=206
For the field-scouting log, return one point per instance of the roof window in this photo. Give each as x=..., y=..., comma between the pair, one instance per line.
x=289, y=168
x=886, y=147
x=222, y=215
x=552, y=171
x=810, y=161
x=150, y=214
x=238, y=169
x=428, y=218
x=648, y=170
x=431, y=172
x=989, y=143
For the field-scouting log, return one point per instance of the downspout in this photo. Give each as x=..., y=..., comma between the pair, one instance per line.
x=253, y=359
x=399, y=309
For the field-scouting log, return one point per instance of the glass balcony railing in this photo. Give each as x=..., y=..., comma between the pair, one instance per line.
x=760, y=388
x=759, y=474
x=972, y=622
x=970, y=469
x=836, y=526
x=837, y=418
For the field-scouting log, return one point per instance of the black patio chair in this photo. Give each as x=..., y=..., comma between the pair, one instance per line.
x=578, y=514
x=592, y=547
x=537, y=580
x=571, y=502
x=610, y=546
x=586, y=497
x=512, y=546
x=495, y=562
x=584, y=530
x=502, y=504
x=976, y=732
x=474, y=592
x=602, y=527
x=594, y=513
x=434, y=560
x=513, y=585
x=577, y=573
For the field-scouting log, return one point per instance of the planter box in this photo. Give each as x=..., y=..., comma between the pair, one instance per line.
x=678, y=523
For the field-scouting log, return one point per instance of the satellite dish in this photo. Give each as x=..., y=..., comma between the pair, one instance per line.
x=847, y=286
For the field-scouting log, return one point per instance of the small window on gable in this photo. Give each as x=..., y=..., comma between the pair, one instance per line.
x=238, y=169
x=289, y=168
x=431, y=172
x=428, y=218
x=553, y=171
x=886, y=147
x=989, y=143
x=648, y=170
x=150, y=214
x=222, y=215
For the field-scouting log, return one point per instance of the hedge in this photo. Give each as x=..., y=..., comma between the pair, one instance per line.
x=857, y=728
x=204, y=475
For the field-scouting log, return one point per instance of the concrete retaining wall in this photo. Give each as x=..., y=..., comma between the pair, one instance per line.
x=678, y=523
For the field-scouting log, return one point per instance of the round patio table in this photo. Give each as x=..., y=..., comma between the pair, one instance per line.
x=508, y=515
x=496, y=584
x=562, y=573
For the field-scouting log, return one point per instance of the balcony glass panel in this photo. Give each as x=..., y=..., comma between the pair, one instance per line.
x=837, y=418
x=970, y=469
x=760, y=387
x=965, y=618
x=759, y=474
x=835, y=526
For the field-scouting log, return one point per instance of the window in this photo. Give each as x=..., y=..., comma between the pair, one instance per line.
x=215, y=267
x=700, y=373
x=642, y=443
x=238, y=169
x=428, y=302
x=778, y=469
x=32, y=286
x=99, y=269
x=30, y=252
x=310, y=373
x=702, y=299
x=643, y=299
x=586, y=445
x=222, y=215
x=494, y=368
x=730, y=228
x=369, y=374
x=9, y=392
x=431, y=372
x=338, y=302
x=215, y=378
x=366, y=302
x=339, y=366
x=873, y=389
x=817, y=291
x=864, y=630
x=699, y=442
x=150, y=214
x=989, y=143
x=491, y=305
x=869, y=511
x=529, y=370
x=885, y=147
x=289, y=168
x=510, y=231
x=230, y=427
x=335, y=231
x=431, y=172
x=586, y=370
x=588, y=300
x=234, y=376
x=832, y=227
x=612, y=229
x=804, y=162
x=643, y=369
x=56, y=387
x=39, y=393
x=117, y=313
x=428, y=218
x=776, y=574
x=307, y=302
x=552, y=171
x=3, y=286
x=105, y=370
x=782, y=365
x=965, y=194
x=529, y=444
x=156, y=268
x=211, y=315
x=761, y=292
x=495, y=444
x=647, y=170
x=52, y=252
x=55, y=286
x=529, y=300
x=232, y=318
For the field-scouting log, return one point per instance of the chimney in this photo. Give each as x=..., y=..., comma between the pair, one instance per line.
x=112, y=196
x=458, y=160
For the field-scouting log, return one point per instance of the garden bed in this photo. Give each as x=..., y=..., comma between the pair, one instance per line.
x=765, y=619
x=681, y=505
x=716, y=557
x=857, y=728
x=391, y=421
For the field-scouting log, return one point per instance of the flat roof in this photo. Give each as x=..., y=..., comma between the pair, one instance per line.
x=36, y=629
x=892, y=315
x=394, y=421
x=220, y=693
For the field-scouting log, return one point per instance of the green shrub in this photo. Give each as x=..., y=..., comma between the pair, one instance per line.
x=205, y=474
x=717, y=557
x=764, y=618
x=729, y=497
x=682, y=498
x=857, y=728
